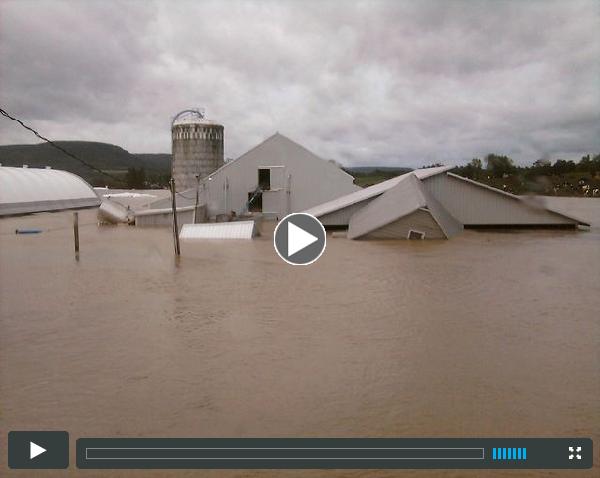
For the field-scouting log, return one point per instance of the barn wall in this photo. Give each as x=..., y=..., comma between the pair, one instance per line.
x=420, y=220
x=477, y=205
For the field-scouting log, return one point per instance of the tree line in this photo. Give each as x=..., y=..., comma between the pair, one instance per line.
x=561, y=177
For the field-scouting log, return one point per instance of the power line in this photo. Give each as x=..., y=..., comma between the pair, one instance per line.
x=60, y=148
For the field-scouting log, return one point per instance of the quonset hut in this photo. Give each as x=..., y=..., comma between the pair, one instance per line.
x=197, y=147
x=28, y=190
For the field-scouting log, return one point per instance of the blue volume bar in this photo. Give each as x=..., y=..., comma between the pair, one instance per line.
x=509, y=453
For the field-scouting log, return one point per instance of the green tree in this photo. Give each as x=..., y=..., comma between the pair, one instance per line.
x=136, y=178
x=498, y=165
x=561, y=166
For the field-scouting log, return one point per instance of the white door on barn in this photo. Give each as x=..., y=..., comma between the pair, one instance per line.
x=274, y=198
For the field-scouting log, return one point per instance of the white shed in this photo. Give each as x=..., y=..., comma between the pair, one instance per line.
x=275, y=178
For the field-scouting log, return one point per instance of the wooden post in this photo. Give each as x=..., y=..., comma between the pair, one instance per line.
x=175, y=227
x=76, y=232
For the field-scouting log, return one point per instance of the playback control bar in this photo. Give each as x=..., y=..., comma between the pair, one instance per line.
x=334, y=453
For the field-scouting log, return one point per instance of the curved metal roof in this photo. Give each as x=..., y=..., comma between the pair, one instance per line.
x=28, y=190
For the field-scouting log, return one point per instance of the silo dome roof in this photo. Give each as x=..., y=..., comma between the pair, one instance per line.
x=192, y=117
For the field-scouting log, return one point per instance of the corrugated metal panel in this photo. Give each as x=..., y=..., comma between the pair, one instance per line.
x=28, y=190
x=474, y=204
x=219, y=230
x=163, y=217
x=420, y=220
x=370, y=192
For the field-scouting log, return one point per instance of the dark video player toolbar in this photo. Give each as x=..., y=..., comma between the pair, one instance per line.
x=50, y=450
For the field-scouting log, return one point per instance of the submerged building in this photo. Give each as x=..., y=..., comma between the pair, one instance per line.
x=405, y=210
x=433, y=203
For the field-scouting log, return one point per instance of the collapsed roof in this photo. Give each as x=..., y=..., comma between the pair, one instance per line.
x=405, y=207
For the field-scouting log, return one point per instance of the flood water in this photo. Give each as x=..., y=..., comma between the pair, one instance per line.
x=487, y=334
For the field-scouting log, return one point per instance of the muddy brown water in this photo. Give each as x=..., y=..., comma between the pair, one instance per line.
x=488, y=334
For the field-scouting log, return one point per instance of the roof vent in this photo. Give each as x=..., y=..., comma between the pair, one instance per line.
x=25, y=166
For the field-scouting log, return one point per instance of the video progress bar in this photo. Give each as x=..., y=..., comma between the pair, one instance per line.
x=332, y=453
x=283, y=453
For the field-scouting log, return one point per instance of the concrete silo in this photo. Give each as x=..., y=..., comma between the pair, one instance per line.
x=197, y=148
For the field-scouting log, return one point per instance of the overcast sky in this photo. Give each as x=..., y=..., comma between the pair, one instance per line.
x=364, y=83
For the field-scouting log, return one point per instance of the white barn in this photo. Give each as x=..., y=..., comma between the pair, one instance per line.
x=275, y=178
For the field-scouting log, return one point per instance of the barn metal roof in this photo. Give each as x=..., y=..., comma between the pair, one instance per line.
x=28, y=190
x=371, y=191
x=406, y=197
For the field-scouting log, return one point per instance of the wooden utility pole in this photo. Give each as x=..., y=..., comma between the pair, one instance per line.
x=76, y=232
x=175, y=227
x=197, y=198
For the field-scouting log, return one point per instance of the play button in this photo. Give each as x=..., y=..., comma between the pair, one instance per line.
x=35, y=450
x=299, y=239
x=38, y=449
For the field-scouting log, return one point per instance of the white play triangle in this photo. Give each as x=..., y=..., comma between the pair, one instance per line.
x=298, y=239
x=35, y=450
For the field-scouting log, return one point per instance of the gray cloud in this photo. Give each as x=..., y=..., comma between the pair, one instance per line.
x=397, y=83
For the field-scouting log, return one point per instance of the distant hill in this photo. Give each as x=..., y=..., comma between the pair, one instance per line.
x=116, y=161
x=107, y=157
